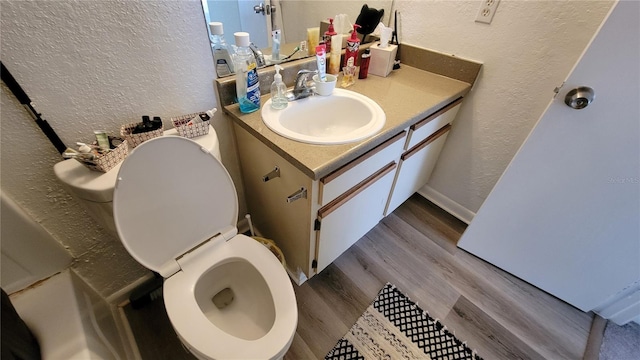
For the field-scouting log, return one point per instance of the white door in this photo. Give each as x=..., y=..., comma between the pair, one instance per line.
x=256, y=24
x=240, y=16
x=565, y=215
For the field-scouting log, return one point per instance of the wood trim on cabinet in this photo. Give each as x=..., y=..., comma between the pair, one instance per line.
x=421, y=145
x=327, y=179
x=424, y=121
x=351, y=193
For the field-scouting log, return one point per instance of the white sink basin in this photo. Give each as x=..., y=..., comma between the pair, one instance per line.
x=341, y=118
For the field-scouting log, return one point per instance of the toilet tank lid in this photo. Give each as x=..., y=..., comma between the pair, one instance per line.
x=96, y=186
x=171, y=195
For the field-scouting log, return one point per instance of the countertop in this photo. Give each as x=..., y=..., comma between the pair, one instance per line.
x=407, y=95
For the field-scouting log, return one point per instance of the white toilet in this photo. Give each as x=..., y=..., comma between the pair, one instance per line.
x=227, y=296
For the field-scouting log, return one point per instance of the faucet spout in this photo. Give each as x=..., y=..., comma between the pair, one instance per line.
x=260, y=62
x=302, y=88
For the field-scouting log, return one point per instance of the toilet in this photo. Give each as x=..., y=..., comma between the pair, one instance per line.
x=227, y=296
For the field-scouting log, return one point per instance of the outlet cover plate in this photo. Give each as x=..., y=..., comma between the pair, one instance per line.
x=487, y=10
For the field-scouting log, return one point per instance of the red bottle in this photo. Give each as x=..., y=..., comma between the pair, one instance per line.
x=353, y=45
x=364, y=64
x=328, y=34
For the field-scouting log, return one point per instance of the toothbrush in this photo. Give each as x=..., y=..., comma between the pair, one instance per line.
x=293, y=53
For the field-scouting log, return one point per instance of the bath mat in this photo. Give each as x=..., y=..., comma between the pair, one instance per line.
x=394, y=327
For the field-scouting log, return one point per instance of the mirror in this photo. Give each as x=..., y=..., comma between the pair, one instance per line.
x=292, y=17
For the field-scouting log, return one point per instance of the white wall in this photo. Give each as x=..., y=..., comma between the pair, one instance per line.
x=99, y=64
x=91, y=65
x=527, y=51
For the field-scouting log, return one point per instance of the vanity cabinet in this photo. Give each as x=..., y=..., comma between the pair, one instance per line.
x=424, y=142
x=342, y=222
x=313, y=221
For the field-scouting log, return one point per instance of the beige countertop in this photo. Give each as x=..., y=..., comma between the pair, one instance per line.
x=407, y=95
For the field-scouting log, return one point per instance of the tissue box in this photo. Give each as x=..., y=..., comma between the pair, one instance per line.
x=382, y=59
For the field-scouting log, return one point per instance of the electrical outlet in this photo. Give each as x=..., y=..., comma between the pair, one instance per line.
x=487, y=10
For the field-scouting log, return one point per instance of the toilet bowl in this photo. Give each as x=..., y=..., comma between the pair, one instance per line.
x=226, y=295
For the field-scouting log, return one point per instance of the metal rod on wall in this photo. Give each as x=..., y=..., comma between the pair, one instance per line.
x=23, y=98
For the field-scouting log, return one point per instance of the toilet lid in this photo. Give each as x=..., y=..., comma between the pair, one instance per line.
x=171, y=194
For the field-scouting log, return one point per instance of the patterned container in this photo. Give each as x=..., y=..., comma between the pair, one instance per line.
x=106, y=162
x=190, y=131
x=137, y=139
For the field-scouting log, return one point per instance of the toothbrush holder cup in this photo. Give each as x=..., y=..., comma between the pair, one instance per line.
x=325, y=88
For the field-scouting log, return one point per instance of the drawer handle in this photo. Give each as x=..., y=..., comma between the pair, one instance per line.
x=272, y=175
x=300, y=194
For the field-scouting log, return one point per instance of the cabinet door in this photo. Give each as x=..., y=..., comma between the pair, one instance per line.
x=424, y=128
x=286, y=223
x=346, y=177
x=415, y=167
x=351, y=215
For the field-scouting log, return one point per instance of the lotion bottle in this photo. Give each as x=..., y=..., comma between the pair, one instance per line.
x=353, y=45
x=247, y=82
x=278, y=91
x=328, y=34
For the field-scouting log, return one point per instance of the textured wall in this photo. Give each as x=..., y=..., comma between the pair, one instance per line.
x=99, y=64
x=527, y=51
x=95, y=65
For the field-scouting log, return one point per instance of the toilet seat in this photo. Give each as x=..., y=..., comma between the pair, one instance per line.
x=181, y=224
x=200, y=335
x=187, y=199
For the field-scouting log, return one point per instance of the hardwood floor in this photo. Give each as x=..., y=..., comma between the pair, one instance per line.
x=414, y=248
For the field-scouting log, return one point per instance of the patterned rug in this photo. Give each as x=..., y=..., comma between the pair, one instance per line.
x=394, y=327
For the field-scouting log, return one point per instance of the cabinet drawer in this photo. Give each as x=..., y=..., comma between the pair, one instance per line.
x=415, y=168
x=346, y=177
x=422, y=129
x=353, y=214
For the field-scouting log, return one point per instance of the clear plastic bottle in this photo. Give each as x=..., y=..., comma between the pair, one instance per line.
x=247, y=82
x=221, y=51
x=278, y=91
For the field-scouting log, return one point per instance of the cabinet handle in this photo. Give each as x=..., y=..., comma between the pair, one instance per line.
x=300, y=194
x=351, y=193
x=327, y=179
x=273, y=174
x=421, y=145
x=423, y=122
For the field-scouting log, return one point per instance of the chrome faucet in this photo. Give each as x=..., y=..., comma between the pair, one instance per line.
x=260, y=62
x=302, y=87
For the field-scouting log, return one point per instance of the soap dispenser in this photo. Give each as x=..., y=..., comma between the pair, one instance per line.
x=353, y=45
x=278, y=91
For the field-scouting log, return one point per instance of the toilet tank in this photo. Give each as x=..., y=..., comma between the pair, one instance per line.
x=94, y=189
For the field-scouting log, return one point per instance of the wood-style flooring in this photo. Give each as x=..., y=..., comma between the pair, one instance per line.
x=414, y=248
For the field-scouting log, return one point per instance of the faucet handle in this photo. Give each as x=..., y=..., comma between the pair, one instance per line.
x=302, y=77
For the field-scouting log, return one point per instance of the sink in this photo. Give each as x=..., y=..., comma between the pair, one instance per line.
x=341, y=118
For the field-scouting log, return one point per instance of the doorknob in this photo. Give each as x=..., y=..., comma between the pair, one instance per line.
x=580, y=97
x=262, y=8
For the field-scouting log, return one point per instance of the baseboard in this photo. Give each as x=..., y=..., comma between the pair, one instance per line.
x=447, y=204
x=122, y=295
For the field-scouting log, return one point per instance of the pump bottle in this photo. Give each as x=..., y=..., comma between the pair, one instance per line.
x=353, y=45
x=278, y=91
x=221, y=51
x=247, y=82
x=328, y=34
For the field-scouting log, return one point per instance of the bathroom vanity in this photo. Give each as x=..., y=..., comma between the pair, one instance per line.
x=316, y=201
